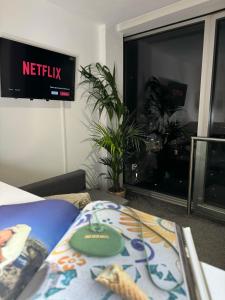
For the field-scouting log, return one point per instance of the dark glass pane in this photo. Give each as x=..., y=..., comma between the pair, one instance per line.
x=215, y=174
x=162, y=86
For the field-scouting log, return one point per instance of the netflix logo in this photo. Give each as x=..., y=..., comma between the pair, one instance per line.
x=34, y=69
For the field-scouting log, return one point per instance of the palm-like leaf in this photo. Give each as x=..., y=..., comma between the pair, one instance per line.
x=158, y=96
x=101, y=87
x=116, y=139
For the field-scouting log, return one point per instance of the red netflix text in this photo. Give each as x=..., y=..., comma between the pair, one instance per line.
x=34, y=69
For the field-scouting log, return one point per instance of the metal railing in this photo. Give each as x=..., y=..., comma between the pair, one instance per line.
x=190, y=184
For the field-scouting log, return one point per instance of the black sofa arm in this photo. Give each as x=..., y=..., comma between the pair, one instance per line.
x=72, y=182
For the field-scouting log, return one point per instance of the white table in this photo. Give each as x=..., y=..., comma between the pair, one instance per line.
x=215, y=277
x=216, y=281
x=12, y=195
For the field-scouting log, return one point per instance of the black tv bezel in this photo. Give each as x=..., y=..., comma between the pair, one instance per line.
x=73, y=74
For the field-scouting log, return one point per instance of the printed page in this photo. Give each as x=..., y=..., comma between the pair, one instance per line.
x=150, y=257
x=28, y=233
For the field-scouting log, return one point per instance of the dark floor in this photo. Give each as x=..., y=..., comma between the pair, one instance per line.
x=209, y=236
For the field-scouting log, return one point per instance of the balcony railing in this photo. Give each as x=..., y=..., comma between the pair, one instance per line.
x=206, y=173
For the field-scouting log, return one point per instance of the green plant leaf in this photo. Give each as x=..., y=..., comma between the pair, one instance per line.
x=122, y=135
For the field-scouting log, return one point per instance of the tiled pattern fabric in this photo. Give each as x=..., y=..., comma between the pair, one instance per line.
x=150, y=257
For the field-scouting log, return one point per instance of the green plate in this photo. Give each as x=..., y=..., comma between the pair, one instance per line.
x=97, y=240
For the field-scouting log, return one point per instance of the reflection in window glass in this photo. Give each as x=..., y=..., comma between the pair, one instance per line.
x=162, y=86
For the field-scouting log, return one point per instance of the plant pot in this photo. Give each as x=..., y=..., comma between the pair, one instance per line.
x=119, y=194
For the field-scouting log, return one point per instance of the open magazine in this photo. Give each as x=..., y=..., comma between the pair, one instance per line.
x=37, y=261
x=28, y=233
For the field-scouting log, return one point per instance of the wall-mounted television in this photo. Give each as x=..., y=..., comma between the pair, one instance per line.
x=174, y=92
x=32, y=72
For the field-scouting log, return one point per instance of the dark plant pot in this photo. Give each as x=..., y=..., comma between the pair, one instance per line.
x=120, y=193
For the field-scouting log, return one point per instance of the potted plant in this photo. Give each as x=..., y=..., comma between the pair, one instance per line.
x=121, y=136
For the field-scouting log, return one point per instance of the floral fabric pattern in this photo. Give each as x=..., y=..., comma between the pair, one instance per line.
x=150, y=257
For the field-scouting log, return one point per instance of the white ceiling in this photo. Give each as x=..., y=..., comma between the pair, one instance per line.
x=111, y=11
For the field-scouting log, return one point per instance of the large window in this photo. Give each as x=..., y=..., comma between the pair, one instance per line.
x=174, y=83
x=162, y=87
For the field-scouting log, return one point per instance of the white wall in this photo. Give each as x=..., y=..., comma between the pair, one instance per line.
x=114, y=53
x=40, y=139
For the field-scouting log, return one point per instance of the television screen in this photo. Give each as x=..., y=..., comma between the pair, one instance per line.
x=31, y=72
x=174, y=92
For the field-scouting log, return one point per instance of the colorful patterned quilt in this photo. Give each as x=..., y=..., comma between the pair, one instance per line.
x=150, y=257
